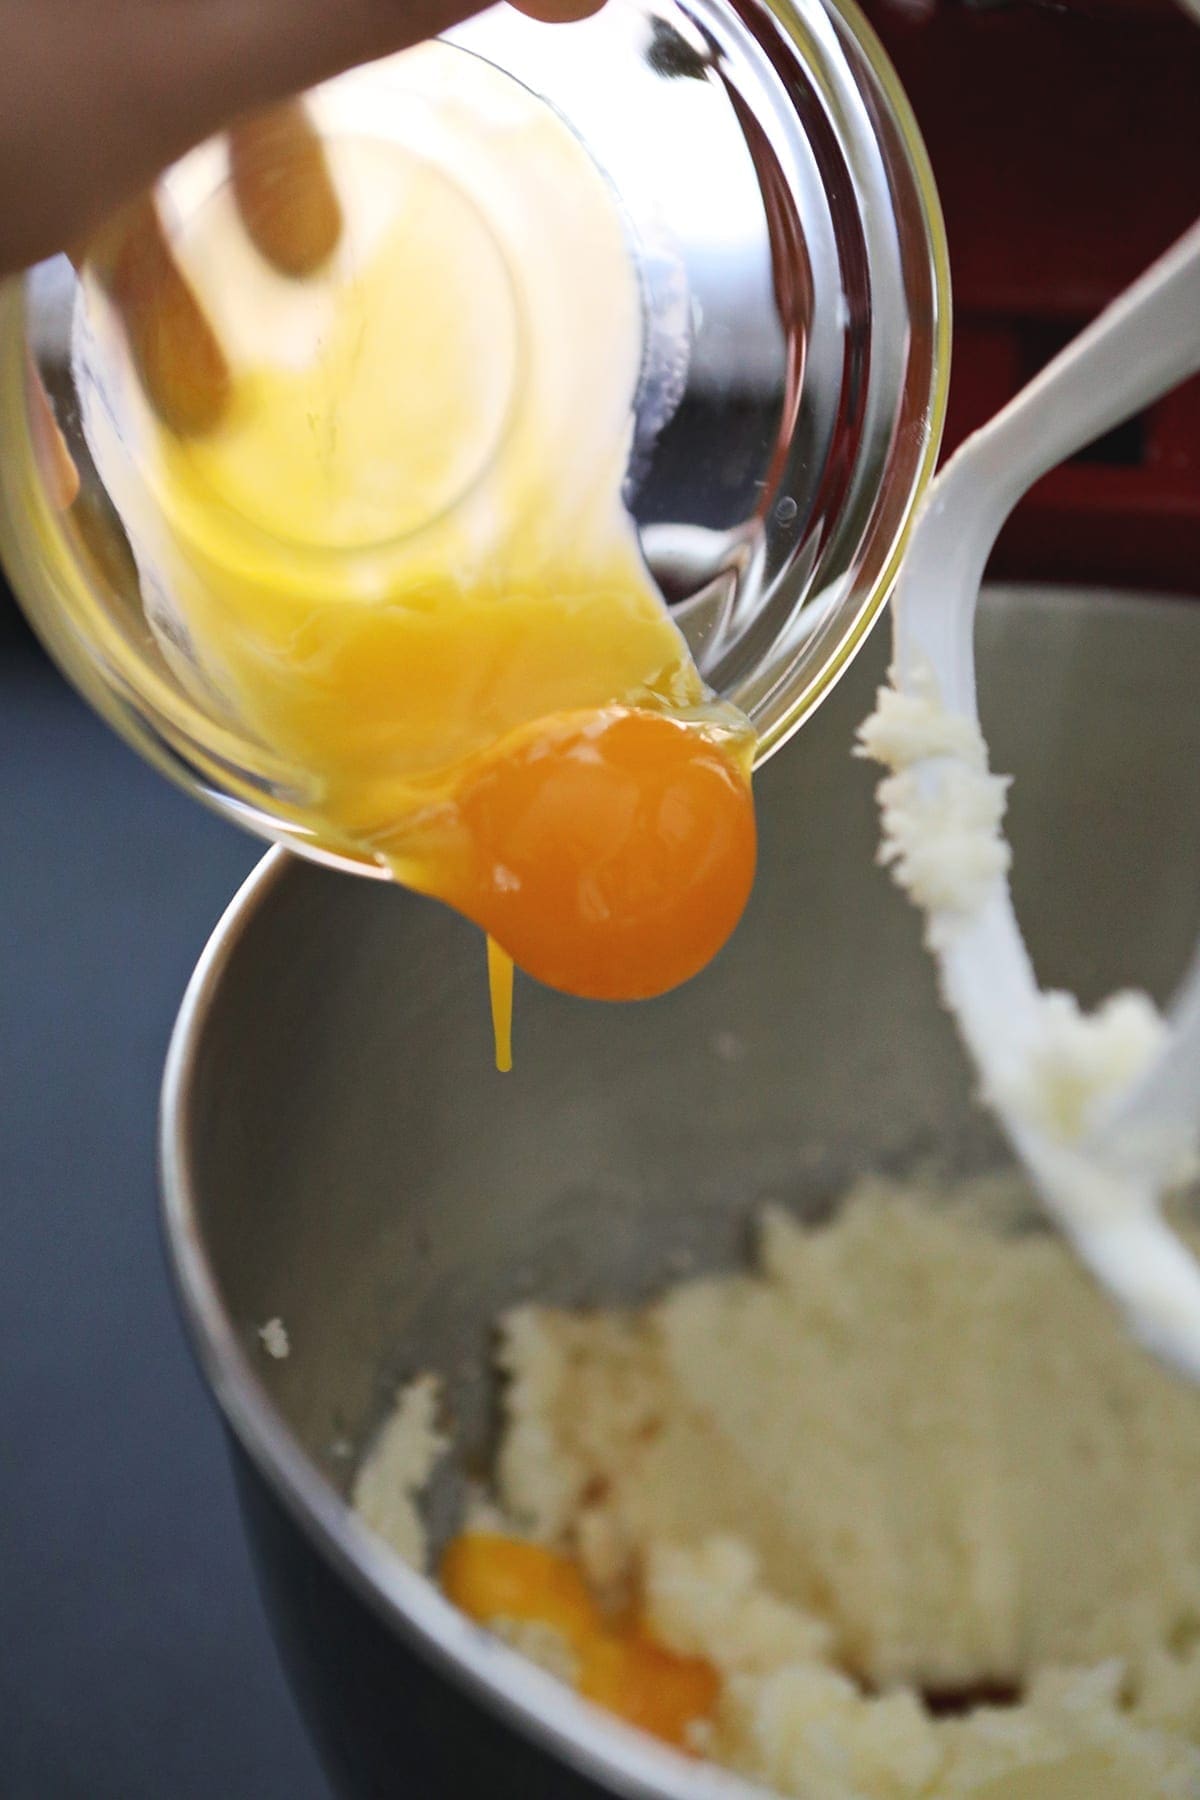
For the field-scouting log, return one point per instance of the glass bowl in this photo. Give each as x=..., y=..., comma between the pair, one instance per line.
x=782, y=218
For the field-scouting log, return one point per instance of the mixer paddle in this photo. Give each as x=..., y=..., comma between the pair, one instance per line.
x=1104, y=1110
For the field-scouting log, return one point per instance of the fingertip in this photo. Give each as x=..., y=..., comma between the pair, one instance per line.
x=558, y=12
x=285, y=191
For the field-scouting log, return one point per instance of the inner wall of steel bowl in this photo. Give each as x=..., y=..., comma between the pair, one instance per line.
x=346, y=1158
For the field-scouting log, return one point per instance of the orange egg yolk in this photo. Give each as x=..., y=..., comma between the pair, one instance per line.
x=609, y=854
x=493, y=1578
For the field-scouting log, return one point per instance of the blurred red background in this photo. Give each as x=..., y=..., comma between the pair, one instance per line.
x=1066, y=144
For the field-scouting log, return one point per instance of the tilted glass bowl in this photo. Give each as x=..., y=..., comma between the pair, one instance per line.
x=792, y=266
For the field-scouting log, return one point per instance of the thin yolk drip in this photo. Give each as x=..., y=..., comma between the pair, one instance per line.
x=493, y=1578
x=500, y=987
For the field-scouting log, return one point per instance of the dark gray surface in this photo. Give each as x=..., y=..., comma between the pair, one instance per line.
x=134, y=1660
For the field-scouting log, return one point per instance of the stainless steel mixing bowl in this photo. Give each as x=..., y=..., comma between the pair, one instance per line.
x=339, y=1152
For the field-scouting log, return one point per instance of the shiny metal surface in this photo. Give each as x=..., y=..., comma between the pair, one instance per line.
x=338, y=1150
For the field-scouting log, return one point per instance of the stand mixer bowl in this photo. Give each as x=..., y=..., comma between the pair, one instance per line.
x=339, y=1153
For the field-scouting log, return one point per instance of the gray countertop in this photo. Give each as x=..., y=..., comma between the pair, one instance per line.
x=135, y=1663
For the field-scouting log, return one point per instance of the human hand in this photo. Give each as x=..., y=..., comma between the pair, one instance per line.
x=98, y=96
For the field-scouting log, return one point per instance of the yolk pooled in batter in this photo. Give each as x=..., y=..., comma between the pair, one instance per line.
x=400, y=564
x=619, y=1666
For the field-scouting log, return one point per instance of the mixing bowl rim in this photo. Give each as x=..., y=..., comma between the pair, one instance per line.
x=621, y=1760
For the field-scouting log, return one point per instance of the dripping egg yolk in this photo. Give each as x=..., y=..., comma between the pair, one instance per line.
x=399, y=566
x=609, y=853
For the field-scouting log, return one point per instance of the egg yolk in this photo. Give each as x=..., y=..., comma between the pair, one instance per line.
x=609, y=854
x=621, y=1668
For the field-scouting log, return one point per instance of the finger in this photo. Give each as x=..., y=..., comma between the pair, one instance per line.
x=180, y=364
x=284, y=189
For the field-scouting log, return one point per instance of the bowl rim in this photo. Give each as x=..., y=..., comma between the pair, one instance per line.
x=620, y=1759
